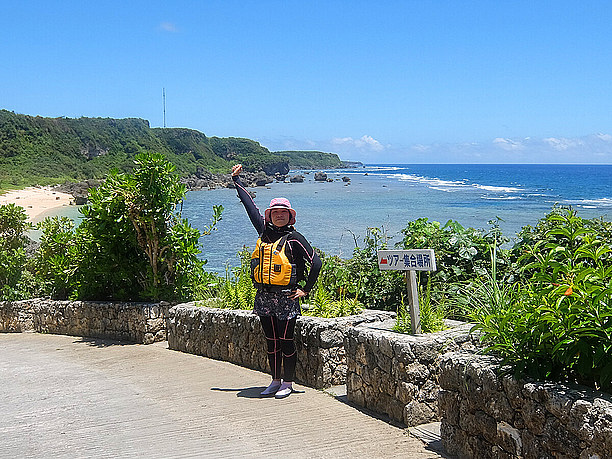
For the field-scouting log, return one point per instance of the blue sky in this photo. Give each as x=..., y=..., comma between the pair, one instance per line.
x=382, y=82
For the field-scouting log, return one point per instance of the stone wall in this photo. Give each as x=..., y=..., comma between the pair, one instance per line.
x=485, y=415
x=236, y=336
x=134, y=322
x=397, y=374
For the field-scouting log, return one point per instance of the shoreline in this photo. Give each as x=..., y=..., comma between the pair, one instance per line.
x=37, y=200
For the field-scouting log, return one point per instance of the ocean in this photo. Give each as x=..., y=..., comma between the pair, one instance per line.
x=334, y=216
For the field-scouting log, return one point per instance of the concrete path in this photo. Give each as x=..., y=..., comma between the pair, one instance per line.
x=73, y=397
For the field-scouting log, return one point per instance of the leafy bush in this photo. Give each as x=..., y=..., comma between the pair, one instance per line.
x=135, y=244
x=131, y=245
x=462, y=254
x=15, y=279
x=559, y=324
x=360, y=277
x=56, y=260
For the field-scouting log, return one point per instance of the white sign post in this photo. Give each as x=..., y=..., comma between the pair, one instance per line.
x=409, y=261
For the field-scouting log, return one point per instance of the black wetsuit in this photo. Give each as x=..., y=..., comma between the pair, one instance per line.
x=277, y=312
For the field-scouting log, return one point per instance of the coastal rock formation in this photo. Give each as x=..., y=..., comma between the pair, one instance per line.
x=280, y=177
x=202, y=179
x=205, y=179
x=346, y=179
x=281, y=167
x=79, y=190
x=320, y=176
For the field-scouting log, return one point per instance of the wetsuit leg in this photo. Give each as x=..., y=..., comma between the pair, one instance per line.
x=270, y=328
x=286, y=330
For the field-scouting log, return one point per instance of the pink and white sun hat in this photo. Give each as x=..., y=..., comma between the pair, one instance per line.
x=280, y=203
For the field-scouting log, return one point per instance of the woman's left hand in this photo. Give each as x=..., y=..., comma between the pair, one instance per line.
x=297, y=293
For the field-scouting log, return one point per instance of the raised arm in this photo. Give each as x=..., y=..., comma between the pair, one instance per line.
x=247, y=201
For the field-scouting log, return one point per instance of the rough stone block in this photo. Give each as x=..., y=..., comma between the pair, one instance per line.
x=534, y=419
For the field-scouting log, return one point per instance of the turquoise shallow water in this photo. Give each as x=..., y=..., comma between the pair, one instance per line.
x=333, y=216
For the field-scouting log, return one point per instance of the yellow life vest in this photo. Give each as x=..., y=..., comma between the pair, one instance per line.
x=270, y=266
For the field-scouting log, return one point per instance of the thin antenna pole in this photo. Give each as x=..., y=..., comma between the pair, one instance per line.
x=164, y=97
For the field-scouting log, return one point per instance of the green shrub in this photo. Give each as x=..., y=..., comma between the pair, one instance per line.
x=237, y=291
x=432, y=314
x=322, y=305
x=462, y=255
x=131, y=245
x=57, y=258
x=16, y=282
x=360, y=277
x=559, y=324
x=134, y=244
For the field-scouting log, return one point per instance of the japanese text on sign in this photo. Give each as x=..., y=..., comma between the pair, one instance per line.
x=407, y=260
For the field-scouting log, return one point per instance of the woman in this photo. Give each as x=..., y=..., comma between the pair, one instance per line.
x=277, y=265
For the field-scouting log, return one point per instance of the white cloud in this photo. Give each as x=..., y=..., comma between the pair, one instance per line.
x=595, y=149
x=342, y=140
x=562, y=144
x=168, y=27
x=366, y=142
x=507, y=144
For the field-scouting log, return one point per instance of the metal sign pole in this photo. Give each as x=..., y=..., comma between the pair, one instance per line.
x=413, y=301
x=409, y=261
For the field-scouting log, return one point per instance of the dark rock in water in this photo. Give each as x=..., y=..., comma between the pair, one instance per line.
x=297, y=179
x=202, y=179
x=281, y=167
x=346, y=179
x=320, y=176
x=351, y=164
x=205, y=179
x=262, y=179
x=330, y=180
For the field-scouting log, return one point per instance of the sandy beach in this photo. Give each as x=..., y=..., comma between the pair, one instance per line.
x=36, y=200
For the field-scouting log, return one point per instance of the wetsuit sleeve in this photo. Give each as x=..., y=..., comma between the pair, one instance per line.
x=247, y=201
x=305, y=250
